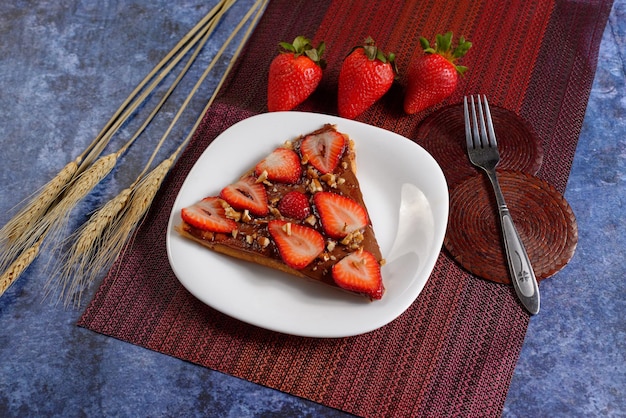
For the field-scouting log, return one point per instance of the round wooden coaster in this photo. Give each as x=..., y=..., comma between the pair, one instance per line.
x=443, y=135
x=543, y=218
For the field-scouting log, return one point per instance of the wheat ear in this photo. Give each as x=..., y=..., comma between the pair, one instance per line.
x=96, y=244
x=55, y=219
x=25, y=218
x=118, y=234
x=18, y=266
x=84, y=243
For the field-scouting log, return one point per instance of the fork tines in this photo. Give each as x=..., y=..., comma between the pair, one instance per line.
x=487, y=136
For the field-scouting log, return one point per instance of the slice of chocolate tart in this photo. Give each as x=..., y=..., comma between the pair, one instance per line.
x=299, y=210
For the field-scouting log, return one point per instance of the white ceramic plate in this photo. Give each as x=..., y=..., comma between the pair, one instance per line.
x=405, y=193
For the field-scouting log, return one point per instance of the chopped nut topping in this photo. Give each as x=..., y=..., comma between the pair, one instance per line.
x=353, y=239
x=246, y=216
x=329, y=178
x=263, y=241
x=341, y=181
x=287, y=228
x=331, y=245
x=312, y=173
x=275, y=212
x=344, y=165
x=311, y=220
x=232, y=213
x=315, y=186
x=235, y=232
x=249, y=239
x=383, y=262
x=262, y=177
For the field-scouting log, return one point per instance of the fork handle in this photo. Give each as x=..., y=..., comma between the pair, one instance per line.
x=522, y=274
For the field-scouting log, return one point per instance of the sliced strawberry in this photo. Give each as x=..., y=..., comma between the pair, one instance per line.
x=340, y=215
x=298, y=245
x=209, y=215
x=323, y=150
x=359, y=272
x=247, y=194
x=282, y=165
x=294, y=205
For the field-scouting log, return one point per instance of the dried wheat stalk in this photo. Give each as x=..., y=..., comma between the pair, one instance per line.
x=99, y=242
x=98, y=249
x=39, y=203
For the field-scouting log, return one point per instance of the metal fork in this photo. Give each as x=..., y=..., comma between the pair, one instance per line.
x=482, y=149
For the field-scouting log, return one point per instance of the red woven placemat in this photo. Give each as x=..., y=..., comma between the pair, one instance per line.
x=454, y=350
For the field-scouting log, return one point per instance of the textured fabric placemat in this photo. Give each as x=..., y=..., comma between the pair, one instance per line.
x=454, y=350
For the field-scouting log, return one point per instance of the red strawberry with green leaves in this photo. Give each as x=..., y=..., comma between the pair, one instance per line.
x=247, y=194
x=294, y=205
x=365, y=76
x=433, y=76
x=282, y=165
x=294, y=74
x=208, y=215
x=359, y=272
x=340, y=215
x=298, y=245
x=323, y=150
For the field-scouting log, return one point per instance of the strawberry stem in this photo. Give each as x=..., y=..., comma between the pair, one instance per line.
x=372, y=52
x=443, y=45
x=303, y=46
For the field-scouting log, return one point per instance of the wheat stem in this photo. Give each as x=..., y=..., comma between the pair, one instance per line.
x=140, y=93
x=200, y=40
x=100, y=241
x=258, y=8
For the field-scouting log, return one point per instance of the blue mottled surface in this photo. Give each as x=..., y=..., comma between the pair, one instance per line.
x=65, y=67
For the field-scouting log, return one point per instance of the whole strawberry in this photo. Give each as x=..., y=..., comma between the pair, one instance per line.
x=294, y=74
x=433, y=77
x=366, y=75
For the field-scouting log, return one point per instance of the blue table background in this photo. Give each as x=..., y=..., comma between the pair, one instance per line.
x=66, y=66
